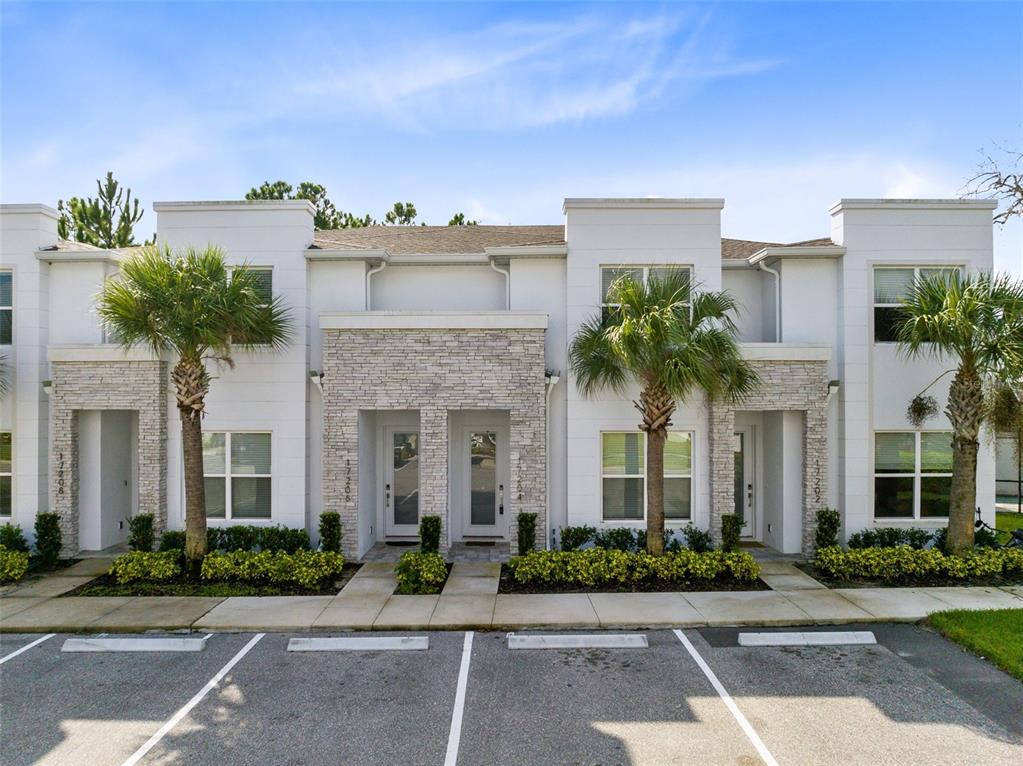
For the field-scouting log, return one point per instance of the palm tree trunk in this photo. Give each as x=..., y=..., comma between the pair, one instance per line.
x=966, y=412
x=657, y=407
x=655, y=491
x=192, y=383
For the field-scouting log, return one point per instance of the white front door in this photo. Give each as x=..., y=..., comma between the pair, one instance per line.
x=401, y=481
x=745, y=494
x=485, y=456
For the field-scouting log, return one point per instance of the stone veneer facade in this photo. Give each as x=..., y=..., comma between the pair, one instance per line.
x=785, y=385
x=433, y=371
x=104, y=385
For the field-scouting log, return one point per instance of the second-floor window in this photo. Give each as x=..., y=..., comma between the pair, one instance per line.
x=264, y=286
x=640, y=273
x=6, y=308
x=892, y=285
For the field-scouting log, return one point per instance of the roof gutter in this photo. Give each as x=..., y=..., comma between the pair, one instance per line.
x=507, y=282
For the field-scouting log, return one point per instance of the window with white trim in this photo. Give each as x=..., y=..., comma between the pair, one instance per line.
x=236, y=469
x=6, y=308
x=912, y=474
x=623, y=476
x=892, y=285
x=640, y=273
x=6, y=474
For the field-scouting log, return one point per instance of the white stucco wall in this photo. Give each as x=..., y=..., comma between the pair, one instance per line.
x=438, y=287
x=266, y=391
x=683, y=233
x=876, y=384
x=747, y=286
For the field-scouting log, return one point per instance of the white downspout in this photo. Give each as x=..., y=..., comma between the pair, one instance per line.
x=552, y=381
x=370, y=273
x=507, y=283
x=777, y=299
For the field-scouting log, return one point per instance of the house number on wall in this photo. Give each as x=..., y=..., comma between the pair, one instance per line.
x=348, y=480
x=817, y=482
x=60, y=475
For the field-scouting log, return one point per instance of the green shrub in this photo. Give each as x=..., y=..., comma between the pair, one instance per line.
x=904, y=564
x=141, y=535
x=429, y=534
x=617, y=539
x=308, y=569
x=172, y=540
x=731, y=529
x=667, y=539
x=697, y=540
x=240, y=537
x=891, y=537
x=571, y=538
x=12, y=538
x=330, y=532
x=420, y=572
x=984, y=538
x=13, y=564
x=282, y=539
x=597, y=567
x=828, y=523
x=146, y=566
x=527, y=532
x=48, y=539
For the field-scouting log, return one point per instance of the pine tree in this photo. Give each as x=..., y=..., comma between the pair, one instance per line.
x=106, y=221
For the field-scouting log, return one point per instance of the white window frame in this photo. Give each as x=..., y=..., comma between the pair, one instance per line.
x=244, y=267
x=228, y=476
x=645, y=267
x=10, y=475
x=690, y=476
x=9, y=307
x=916, y=475
x=917, y=268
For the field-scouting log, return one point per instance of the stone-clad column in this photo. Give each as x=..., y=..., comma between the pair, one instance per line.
x=433, y=469
x=64, y=474
x=528, y=463
x=722, y=465
x=815, y=471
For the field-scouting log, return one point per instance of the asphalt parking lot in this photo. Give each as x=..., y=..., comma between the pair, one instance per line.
x=692, y=697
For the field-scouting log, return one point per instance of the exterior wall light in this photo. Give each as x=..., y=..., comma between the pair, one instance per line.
x=47, y=387
x=833, y=386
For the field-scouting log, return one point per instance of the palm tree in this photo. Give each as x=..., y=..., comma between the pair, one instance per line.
x=977, y=321
x=190, y=305
x=670, y=342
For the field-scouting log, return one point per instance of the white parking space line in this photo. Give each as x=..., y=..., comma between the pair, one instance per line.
x=26, y=647
x=134, y=645
x=750, y=732
x=369, y=644
x=821, y=638
x=176, y=718
x=455, y=733
x=577, y=641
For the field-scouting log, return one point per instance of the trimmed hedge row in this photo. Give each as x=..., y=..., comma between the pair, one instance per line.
x=305, y=568
x=13, y=565
x=906, y=564
x=598, y=566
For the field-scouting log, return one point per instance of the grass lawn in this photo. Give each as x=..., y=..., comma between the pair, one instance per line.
x=996, y=635
x=1006, y=521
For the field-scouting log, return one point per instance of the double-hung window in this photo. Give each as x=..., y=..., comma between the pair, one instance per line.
x=236, y=469
x=623, y=476
x=912, y=474
x=892, y=285
x=6, y=308
x=6, y=474
x=642, y=274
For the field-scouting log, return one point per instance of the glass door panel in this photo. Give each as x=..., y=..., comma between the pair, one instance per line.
x=483, y=498
x=405, y=478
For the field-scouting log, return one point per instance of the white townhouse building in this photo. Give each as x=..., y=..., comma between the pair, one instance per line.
x=428, y=375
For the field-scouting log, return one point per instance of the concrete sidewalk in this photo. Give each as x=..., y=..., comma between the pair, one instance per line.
x=372, y=607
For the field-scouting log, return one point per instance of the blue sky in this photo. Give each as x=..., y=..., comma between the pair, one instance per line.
x=502, y=110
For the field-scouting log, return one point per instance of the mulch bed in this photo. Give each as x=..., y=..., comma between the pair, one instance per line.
x=106, y=585
x=925, y=582
x=509, y=585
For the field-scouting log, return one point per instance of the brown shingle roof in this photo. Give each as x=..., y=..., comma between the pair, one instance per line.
x=406, y=240
x=438, y=239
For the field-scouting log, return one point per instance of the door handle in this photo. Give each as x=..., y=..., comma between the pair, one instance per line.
x=500, y=499
x=749, y=495
x=387, y=495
